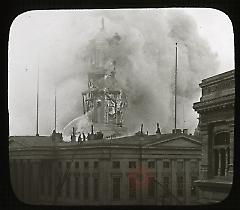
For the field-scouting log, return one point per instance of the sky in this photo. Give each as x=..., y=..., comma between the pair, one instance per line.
x=56, y=42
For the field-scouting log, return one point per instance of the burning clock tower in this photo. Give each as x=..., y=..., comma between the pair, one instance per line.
x=104, y=101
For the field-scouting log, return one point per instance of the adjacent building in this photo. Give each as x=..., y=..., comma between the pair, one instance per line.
x=216, y=125
x=133, y=170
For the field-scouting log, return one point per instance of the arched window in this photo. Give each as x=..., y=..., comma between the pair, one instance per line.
x=221, y=153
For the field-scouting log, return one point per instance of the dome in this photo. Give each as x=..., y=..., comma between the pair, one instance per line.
x=101, y=37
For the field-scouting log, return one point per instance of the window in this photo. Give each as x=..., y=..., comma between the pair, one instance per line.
x=151, y=187
x=68, y=187
x=179, y=165
x=132, y=188
x=95, y=164
x=76, y=186
x=193, y=166
x=76, y=164
x=179, y=185
x=166, y=164
x=193, y=188
x=221, y=139
x=221, y=155
x=132, y=164
x=68, y=164
x=116, y=164
x=85, y=187
x=116, y=188
x=86, y=165
x=166, y=186
x=151, y=164
x=96, y=188
x=58, y=184
x=59, y=164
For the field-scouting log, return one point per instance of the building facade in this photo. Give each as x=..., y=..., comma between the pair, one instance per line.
x=216, y=124
x=134, y=170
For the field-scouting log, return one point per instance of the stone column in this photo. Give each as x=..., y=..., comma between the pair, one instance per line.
x=187, y=184
x=204, y=162
x=12, y=174
x=35, y=181
x=55, y=178
x=173, y=180
x=30, y=180
x=230, y=166
x=71, y=186
x=158, y=179
x=226, y=161
x=50, y=179
x=219, y=162
x=18, y=181
x=25, y=181
x=105, y=183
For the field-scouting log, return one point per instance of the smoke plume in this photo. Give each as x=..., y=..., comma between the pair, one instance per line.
x=142, y=42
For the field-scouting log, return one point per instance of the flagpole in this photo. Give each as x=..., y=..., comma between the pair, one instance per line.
x=37, y=134
x=175, y=119
x=55, y=124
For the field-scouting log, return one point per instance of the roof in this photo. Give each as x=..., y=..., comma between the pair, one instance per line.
x=218, y=78
x=24, y=142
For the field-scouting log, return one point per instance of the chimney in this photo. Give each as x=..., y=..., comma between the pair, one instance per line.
x=185, y=131
x=57, y=137
x=54, y=135
x=73, y=136
x=176, y=131
x=91, y=129
x=158, y=129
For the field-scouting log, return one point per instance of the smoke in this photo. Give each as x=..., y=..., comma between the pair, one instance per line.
x=145, y=58
x=144, y=51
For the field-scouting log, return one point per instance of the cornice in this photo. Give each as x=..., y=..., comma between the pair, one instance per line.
x=219, y=103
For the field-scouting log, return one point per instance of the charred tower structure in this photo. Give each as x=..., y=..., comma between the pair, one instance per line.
x=104, y=100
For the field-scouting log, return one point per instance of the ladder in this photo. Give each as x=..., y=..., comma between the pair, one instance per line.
x=62, y=182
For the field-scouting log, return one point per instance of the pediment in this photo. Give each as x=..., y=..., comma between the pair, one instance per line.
x=177, y=142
